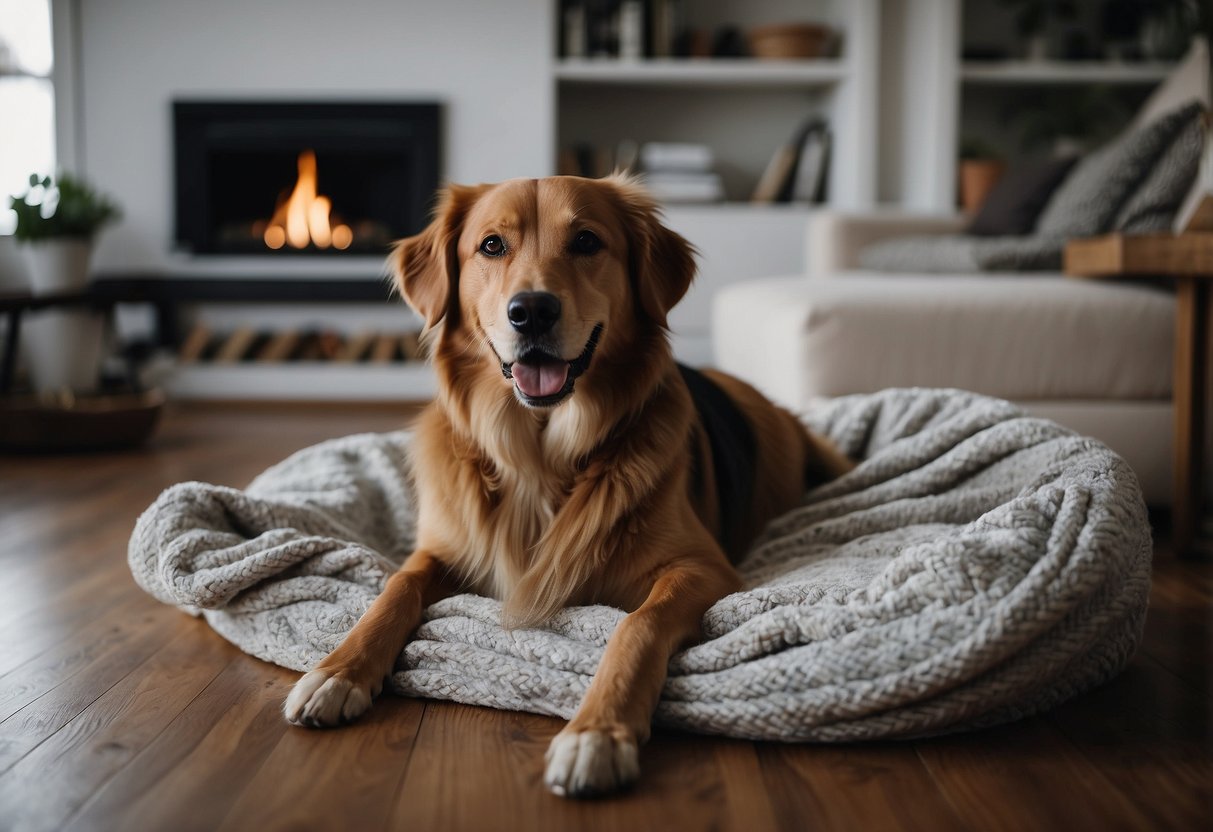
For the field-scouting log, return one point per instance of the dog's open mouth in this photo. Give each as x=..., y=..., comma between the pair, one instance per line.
x=543, y=379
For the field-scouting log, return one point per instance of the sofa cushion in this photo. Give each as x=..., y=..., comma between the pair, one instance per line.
x=1017, y=200
x=963, y=254
x=1090, y=198
x=1016, y=337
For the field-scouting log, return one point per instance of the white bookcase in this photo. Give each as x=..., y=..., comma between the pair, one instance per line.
x=743, y=108
x=939, y=99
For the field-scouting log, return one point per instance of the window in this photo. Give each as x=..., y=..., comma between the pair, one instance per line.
x=27, y=99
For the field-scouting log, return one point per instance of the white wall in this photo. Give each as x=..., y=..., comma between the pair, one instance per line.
x=485, y=60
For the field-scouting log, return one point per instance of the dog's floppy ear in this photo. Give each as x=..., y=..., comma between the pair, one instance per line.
x=662, y=263
x=426, y=266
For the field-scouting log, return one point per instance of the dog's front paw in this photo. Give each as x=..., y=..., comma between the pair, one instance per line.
x=586, y=763
x=321, y=699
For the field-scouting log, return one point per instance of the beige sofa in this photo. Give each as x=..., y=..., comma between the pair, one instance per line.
x=1095, y=356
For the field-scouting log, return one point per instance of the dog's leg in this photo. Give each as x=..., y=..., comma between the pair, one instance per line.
x=597, y=751
x=343, y=684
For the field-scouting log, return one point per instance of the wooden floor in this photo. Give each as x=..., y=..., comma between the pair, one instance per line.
x=121, y=713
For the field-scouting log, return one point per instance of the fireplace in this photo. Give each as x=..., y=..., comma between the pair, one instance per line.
x=324, y=179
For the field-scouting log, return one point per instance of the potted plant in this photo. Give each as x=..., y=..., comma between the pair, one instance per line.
x=1032, y=19
x=1069, y=122
x=981, y=166
x=57, y=223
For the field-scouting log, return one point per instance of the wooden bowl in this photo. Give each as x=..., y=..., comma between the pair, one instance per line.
x=87, y=423
x=790, y=41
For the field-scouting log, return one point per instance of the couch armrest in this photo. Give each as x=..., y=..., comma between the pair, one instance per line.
x=833, y=239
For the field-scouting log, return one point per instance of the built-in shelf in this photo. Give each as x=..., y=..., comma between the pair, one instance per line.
x=703, y=72
x=17, y=72
x=1062, y=72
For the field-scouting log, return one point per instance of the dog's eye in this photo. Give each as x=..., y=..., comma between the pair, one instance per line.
x=586, y=242
x=493, y=246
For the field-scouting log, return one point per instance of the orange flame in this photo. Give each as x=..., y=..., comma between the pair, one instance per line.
x=303, y=217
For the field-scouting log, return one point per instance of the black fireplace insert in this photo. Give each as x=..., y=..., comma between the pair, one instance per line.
x=303, y=178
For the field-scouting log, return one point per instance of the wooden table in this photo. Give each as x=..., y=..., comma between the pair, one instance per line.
x=1186, y=259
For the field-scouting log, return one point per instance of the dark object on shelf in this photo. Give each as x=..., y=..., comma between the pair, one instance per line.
x=86, y=423
x=729, y=43
x=984, y=53
x=1120, y=20
x=1083, y=117
x=1032, y=17
x=1076, y=45
x=797, y=171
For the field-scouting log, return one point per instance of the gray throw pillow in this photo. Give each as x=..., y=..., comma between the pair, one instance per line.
x=962, y=254
x=1154, y=204
x=1091, y=197
x=1017, y=200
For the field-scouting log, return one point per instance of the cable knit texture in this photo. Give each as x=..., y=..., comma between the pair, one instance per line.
x=978, y=566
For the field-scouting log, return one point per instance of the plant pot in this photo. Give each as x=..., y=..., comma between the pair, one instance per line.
x=58, y=266
x=63, y=349
x=13, y=279
x=977, y=178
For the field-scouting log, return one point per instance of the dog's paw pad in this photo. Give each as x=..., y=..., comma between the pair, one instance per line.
x=320, y=700
x=587, y=763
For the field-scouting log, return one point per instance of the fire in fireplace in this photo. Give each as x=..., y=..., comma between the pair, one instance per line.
x=302, y=178
x=304, y=217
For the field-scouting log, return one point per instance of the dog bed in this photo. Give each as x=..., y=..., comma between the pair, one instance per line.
x=979, y=565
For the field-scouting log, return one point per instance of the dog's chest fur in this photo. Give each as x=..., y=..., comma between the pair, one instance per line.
x=521, y=469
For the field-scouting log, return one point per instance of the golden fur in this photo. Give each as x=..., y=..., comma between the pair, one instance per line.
x=590, y=500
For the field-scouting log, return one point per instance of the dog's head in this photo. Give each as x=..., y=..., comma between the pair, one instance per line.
x=545, y=275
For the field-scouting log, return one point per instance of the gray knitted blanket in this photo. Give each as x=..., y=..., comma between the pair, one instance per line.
x=978, y=566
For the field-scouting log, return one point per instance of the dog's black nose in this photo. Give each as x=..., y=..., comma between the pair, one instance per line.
x=533, y=313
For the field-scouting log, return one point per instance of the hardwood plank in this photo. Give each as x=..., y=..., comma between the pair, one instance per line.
x=1179, y=625
x=360, y=767
x=1148, y=738
x=203, y=760
x=1025, y=775
x=871, y=786
x=682, y=785
x=749, y=802
x=93, y=653
x=49, y=781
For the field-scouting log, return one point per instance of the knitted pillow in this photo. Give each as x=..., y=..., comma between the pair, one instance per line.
x=1153, y=206
x=1089, y=200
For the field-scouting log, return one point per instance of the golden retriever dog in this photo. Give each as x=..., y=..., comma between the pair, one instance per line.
x=567, y=459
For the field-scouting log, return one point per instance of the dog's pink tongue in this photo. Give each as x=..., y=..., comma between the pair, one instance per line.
x=540, y=380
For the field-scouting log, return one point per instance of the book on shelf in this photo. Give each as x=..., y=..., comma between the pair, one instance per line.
x=797, y=170
x=587, y=160
x=676, y=156
x=808, y=185
x=620, y=29
x=697, y=186
x=681, y=172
